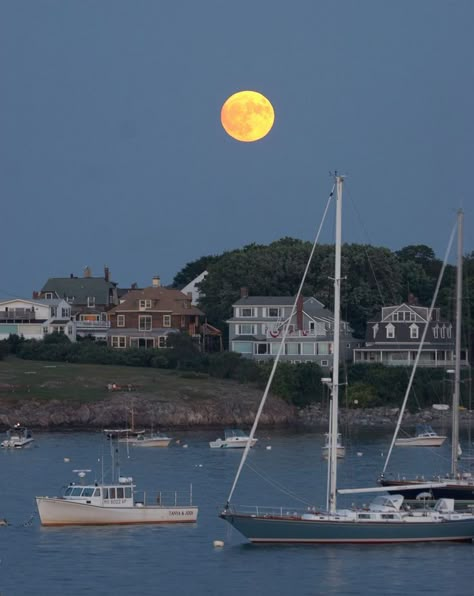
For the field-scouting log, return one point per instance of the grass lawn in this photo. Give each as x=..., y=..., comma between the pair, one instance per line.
x=40, y=380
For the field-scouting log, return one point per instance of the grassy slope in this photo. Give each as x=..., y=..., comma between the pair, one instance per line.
x=28, y=379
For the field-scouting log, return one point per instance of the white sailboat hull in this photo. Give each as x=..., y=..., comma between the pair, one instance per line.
x=15, y=443
x=62, y=512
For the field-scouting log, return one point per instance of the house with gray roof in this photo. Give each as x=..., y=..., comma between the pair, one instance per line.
x=34, y=319
x=89, y=298
x=394, y=336
x=257, y=325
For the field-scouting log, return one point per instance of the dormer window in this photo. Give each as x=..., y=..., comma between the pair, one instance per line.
x=436, y=331
x=90, y=301
x=247, y=312
x=375, y=330
x=390, y=331
x=273, y=312
x=48, y=295
x=414, y=330
x=144, y=304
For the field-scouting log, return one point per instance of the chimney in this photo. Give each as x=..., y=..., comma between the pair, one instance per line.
x=87, y=272
x=106, y=273
x=156, y=282
x=412, y=299
x=299, y=313
x=134, y=286
x=244, y=292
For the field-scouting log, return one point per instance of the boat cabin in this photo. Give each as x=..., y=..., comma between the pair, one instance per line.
x=104, y=495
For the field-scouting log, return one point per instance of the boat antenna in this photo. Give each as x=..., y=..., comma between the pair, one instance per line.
x=420, y=347
x=280, y=350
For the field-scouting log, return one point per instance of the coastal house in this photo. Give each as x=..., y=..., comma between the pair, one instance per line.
x=89, y=298
x=36, y=318
x=257, y=325
x=145, y=317
x=393, y=338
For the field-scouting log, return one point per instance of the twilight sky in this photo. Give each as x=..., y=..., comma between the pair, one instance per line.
x=112, y=151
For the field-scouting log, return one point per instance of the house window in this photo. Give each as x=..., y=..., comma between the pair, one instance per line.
x=69, y=329
x=443, y=331
x=144, y=322
x=54, y=311
x=292, y=349
x=242, y=347
x=90, y=301
x=262, y=348
x=247, y=312
x=323, y=348
x=162, y=341
x=436, y=331
x=324, y=362
x=45, y=330
x=166, y=320
x=414, y=331
x=274, y=312
x=65, y=313
x=48, y=295
x=119, y=341
x=448, y=331
x=134, y=342
x=307, y=348
x=390, y=331
x=274, y=347
x=144, y=304
x=120, y=320
x=245, y=329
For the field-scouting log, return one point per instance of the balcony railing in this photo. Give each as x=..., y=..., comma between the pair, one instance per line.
x=15, y=314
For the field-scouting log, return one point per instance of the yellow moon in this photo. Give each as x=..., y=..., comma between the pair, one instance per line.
x=247, y=116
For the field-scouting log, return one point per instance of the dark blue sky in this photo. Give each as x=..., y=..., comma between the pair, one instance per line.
x=112, y=151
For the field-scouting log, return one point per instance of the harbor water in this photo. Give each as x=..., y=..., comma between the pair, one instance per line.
x=183, y=559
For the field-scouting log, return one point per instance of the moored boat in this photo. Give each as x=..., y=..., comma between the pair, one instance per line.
x=385, y=520
x=151, y=440
x=234, y=438
x=17, y=438
x=425, y=436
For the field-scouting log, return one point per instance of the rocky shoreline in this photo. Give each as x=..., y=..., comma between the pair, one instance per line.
x=205, y=414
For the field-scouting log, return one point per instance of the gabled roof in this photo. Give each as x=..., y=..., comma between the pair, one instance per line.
x=275, y=301
x=81, y=288
x=163, y=299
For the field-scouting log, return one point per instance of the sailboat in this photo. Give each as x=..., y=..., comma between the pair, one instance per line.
x=385, y=520
x=456, y=484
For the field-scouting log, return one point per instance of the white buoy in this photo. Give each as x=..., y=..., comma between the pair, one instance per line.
x=269, y=447
x=66, y=459
x=185, y=446
x=359, y=453
x=218, y=543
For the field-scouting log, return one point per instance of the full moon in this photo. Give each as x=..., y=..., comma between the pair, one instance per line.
x=247, y=116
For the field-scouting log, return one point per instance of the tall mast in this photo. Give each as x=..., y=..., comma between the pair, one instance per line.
x=333, y=424
x=457, y=350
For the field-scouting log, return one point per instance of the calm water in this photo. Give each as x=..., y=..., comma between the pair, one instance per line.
x=181, y=559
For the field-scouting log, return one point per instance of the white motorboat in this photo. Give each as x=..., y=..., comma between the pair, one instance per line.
x=152, y=440
x=234, y=438
x=425, y=437
x=17, y=438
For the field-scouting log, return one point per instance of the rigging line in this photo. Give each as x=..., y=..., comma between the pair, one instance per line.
x=280, y=349
x=277, y=485
x=420, y=347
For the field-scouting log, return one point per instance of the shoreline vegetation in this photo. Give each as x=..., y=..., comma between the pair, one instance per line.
x=62, y=396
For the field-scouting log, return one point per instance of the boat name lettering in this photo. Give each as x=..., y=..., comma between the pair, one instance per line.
x=181, y=512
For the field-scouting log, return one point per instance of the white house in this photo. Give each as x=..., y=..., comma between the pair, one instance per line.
x=33, y=319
